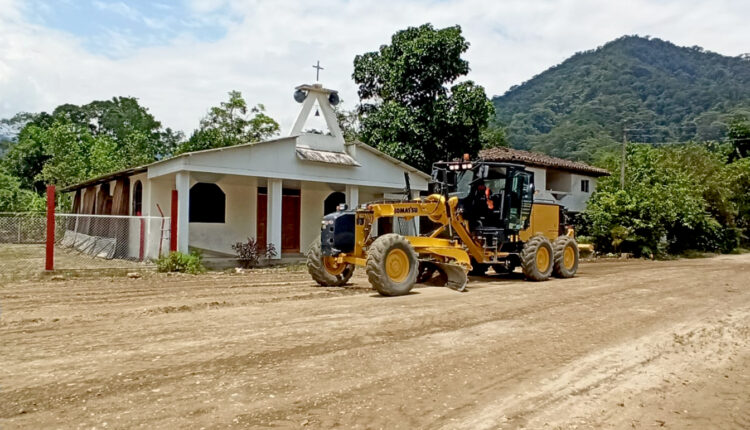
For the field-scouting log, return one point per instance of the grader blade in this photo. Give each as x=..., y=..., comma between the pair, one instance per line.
x=454, y=275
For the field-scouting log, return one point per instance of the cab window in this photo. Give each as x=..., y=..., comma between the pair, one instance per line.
x=463, y=185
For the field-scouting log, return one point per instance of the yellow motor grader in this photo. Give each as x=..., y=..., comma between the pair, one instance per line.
x=480, y=215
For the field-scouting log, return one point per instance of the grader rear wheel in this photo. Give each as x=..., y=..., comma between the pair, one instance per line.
x=537, y=259
x=392, y=266
x=566, y=257
x=324, y=270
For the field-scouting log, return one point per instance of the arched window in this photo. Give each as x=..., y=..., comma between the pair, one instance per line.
x=138, y=198
x=207, y=203
x=334, y=199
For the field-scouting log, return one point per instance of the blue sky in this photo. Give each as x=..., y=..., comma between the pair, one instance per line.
x=179, y=58
x=116, y=28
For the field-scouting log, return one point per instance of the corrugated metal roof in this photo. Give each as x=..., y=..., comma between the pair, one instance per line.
x=540, y=160
x=329, y=157
x=105, y=178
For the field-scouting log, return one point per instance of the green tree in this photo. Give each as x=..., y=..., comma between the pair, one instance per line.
x=493, y=137
x=739, y=137
x=411, y=108
x=231, y=123
x=349, y=122
x=126, y=134
x=662, y=92
x=9, y=129
x=73, y=154
x=675, y=198
x=13, y=198
x=26, y=158
x=68, y=147
x=737, y=181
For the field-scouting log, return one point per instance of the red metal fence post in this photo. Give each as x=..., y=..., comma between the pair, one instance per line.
x=173, y=223
x=142, y=239
x=49, y=261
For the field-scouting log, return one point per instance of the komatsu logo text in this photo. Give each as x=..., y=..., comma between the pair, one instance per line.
x=406, y=210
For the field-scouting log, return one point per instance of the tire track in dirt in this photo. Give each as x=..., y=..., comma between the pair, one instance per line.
x=322, y=355
x=625, y=369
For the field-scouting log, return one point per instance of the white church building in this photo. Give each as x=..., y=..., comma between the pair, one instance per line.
x=276, y=190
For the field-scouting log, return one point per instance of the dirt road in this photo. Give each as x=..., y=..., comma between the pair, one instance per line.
x=625, y=344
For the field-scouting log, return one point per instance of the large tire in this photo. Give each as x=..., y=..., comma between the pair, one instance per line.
x=392, y=266
x=566, y=257
x=537, y=258
x=324, y=271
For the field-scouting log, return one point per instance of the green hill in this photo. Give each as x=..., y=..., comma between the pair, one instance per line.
x=662, y=92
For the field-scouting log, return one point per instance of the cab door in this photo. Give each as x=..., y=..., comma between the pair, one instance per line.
x=520, y=199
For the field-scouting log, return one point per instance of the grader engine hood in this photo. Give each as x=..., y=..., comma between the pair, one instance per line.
x=337, y=233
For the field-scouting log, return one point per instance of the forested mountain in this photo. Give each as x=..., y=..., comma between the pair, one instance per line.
x=657, y=90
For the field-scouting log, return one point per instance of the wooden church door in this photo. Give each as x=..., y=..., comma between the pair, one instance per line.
x=290, y=218
x=290, y=221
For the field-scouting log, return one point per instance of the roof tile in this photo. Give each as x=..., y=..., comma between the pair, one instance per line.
x=540, y=160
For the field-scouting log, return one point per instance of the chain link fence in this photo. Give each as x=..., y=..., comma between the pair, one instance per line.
x=81, y=242
x=22, y=237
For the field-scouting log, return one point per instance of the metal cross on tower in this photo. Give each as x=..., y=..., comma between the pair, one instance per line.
x=317, y=72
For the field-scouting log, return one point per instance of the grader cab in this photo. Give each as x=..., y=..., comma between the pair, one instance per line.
x=479, y=215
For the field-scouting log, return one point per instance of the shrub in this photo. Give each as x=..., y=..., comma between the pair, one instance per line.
x=249, y=253
x=179, y=262
x=675, y=199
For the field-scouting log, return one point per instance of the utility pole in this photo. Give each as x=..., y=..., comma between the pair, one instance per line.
x=622, y=162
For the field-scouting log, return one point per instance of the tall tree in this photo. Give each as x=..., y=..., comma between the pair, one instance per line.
x=739, y=137
x=408, y=108
x=26, y=157
x=494, y=136
x=231, y=123
x=9, y=129
x=13, y=198
x=124, y=132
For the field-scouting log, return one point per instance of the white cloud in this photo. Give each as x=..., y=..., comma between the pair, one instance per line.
x=273, y=46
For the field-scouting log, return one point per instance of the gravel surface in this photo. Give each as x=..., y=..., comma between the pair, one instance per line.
x=625, y=344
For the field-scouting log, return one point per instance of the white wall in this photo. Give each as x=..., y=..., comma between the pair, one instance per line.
x=313, y=195
x=240, y=217
x=159, y=196
x=540, y=185
x=144, y=181
x=576, y=200
x=278, y=159
x=558, y=180
x=540, y=178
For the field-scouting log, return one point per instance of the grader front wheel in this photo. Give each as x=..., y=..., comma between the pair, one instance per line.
x=324, y=270
x=537, y=258
x=392, y=266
